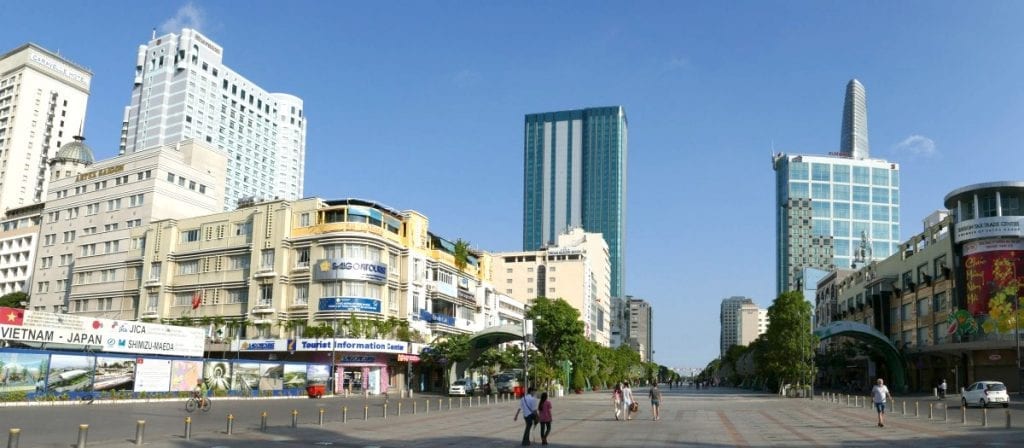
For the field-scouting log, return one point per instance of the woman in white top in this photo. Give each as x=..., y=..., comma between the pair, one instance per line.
x=627, y=400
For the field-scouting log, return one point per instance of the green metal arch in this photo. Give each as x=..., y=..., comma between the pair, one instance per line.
x=492, y=337
x=893, y=358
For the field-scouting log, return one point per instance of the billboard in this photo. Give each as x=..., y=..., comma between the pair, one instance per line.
x=994, y=270
x=363, y=304
x=152, y=375
x=23, y=372
x=350, y=269
x=105, y=335
x=70, y=373
x=114, y=373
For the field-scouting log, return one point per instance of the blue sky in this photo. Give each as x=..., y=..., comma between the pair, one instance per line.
x=420, y=104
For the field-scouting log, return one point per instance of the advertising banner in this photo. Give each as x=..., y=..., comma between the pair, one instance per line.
x=990, y=227
x=317, y=373
x=258, y=345
x=152, y=375
x=362, y=304
x=246, y=376
x=350, y=269
x=271, y=376
x=295, y=376
x=105, y=335
x=217, y=375
x=70, y=373
x=23, y=372
x=114, y=373
x=993, y=271
x=185, y=374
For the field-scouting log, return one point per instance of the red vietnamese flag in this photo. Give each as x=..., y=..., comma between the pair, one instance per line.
x=11, y=316
x=197, y=299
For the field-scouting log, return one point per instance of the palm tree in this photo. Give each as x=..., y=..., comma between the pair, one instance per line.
x=461, y=254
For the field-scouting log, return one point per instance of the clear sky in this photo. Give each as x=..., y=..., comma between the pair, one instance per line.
x=420, y=105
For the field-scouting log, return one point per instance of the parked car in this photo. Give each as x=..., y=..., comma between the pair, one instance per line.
x=984, y=393
x=462, y=387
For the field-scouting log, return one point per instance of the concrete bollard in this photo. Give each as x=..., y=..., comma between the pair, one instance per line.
x=83, y=436
x=13, y=437
x=426, y=408
x=344, y=414
x=188, y=428
x=470, y=401
x=231, y=425
x=263, y=421
x=320, y=422
x=488, y=400
x=945, y=413
x=930, y=411
x=399, y=408
x=385, y=412
x=140, y=432
x=963, y=415
x=295, y=418
x=856, y=401
x=366, y=412
x=449, y=403
x=1008, y=425
x=439, y=403
x=847, y=400
x=904, y=408
x=460, y=402
x=415, y=405
x=984, y=416
x=410, y=394
x=917, y=409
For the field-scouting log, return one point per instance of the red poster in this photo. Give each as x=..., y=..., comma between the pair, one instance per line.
x=988, y=273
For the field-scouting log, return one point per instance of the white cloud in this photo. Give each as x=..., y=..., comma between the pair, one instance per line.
x=917, y=144
x=188, y=16
x=677, y=62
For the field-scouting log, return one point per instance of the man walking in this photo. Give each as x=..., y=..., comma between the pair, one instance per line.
x=528, y=407
x=942, y=389
x=879, y=393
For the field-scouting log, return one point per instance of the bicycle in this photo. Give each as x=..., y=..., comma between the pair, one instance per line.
x=195, y=402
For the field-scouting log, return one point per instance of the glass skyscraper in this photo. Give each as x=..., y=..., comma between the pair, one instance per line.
x=830, y=207
x=574, y=175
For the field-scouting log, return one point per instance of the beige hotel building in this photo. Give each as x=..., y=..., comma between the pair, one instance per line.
x=576, y=269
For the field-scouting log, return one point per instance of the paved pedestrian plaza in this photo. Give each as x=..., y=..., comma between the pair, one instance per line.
x=690, y=418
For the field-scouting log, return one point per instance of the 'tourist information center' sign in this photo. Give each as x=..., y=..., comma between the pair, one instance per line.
x=106, y=335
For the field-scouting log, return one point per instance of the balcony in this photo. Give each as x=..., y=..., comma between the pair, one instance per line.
x=265, y=272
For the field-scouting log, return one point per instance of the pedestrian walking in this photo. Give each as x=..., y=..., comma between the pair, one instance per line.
x=617, y=399
x=528, y=407
x=942, y=389
x=879, y=393
x=544, y=416
x=655, y=396
x=629, y=404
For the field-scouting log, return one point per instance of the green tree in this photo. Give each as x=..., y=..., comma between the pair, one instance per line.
x=786, y=353
x=449, y=352
x=557, y=329
x=13, y=300
x=461, y=254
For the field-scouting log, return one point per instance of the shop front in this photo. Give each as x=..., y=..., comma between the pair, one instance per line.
x=364, y=372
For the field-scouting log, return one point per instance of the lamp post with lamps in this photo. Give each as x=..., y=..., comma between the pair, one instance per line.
x=527, y=332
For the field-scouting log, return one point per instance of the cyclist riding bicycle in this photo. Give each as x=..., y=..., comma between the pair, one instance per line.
x=201, y=392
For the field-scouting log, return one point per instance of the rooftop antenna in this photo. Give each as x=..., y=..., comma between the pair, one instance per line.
x=154, y=34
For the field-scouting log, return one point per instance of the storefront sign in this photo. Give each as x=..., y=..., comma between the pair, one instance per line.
x=260, y=345
x=403, y=357
x=466, y=295
x=105, y=335
x=322, y=345
x=350, y=269
x=991, y=227
x=362, y=304
x=439, y=318
x=995, y=357
x=359, y=359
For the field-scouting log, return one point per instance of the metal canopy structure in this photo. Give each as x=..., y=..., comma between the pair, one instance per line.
x=893, y=358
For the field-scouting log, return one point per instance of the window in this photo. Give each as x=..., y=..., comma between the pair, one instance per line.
x=266, y=295
x=110, y=227
x=304, y=220
x=106, y=304
x=47, y=262
x=66, y=259
x=190, y=236
x=69, y=236
x=922, y=337
x=152, y=301
x=113, y=204
x=49, y=240
x=267, y=259
x=922, y=307
x=92, y=209
x=238, y=295
x=301, y=294
x=939, y=332
x=170, y=177
x=243, y=228
x=88, y=250
x=239, y=262
x=939, y=302
x=138, y=243
x=302, y=257
x=59, y=285
x=137, y=200
x=183, y=299
x=134, y=223
x=188, y=267
x=154, y=271
x=392, y=299
x=43, y=287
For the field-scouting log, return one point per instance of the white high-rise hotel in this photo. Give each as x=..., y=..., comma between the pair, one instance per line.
x=183, y=91
x=42, y=106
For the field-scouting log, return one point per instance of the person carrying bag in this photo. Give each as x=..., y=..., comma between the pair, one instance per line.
x=528, y=407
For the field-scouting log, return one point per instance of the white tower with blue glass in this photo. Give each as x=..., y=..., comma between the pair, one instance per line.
x=827, y=204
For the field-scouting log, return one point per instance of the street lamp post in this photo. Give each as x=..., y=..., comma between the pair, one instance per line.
x=527, y=330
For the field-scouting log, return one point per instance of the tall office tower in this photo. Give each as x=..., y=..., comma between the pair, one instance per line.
x=42, y=105
x=183, y=91
x=853, y=142
x=575, y=176
x=729, y=319
x=641, y=328
x=829, y=206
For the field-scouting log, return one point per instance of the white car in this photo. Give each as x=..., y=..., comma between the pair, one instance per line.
x=984, y=393
x=461, y=387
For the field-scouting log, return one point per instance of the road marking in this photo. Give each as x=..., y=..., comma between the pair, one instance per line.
x=737, y=438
